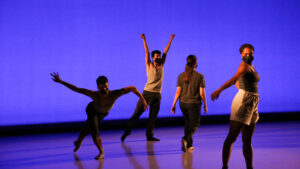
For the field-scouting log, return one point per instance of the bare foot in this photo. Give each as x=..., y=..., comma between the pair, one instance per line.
x=100, y=156
x=77, y=146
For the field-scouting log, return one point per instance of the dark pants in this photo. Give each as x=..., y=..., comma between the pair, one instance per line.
x=191, y=115
x=153, y=100
x=92, y=122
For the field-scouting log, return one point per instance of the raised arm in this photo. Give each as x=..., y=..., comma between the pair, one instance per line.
x=177, y=94
x=241, y=70
x=164, y=56
x=203, y=97
x=147, y=53
x=136, y=92
x=57, y=79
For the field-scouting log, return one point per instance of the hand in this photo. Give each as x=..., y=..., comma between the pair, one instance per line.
x=56, y=77
x=205, y=109
x=143, y=36
x=173, y=109
x=215, y=95
x=145, y=104
x=172, y=36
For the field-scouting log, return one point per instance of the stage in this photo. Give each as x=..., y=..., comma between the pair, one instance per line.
x=276, y=145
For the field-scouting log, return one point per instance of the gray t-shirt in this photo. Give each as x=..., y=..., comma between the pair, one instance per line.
x=154, y=79
x=190, y=92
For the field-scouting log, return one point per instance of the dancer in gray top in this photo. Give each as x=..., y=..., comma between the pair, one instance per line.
x=151, y=91
x=191, y=92
x=244, y=111
x=103, y=101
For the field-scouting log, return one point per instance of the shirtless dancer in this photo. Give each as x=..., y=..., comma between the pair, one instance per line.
x=103, y=101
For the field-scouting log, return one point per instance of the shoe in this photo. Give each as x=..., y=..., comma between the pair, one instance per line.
x=124, y=137
x=152, y=139
x=184, y=145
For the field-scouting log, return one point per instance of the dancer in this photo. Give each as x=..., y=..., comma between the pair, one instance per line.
x=103, y=101
x=151, y=91
x=190, y=91
x=244, y=112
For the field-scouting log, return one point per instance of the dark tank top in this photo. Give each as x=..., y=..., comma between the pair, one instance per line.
x=249, y=81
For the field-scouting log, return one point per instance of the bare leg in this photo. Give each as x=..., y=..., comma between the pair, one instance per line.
x=247, y=134
x=98, y=143
x=234, y=131
x=84, y=131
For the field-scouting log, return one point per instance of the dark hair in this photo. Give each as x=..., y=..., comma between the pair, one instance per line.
x=246, y=45
x=191, y=62
x=101, y=80
x=155, y=52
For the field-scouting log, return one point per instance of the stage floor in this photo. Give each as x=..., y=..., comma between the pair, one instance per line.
x=276, y=146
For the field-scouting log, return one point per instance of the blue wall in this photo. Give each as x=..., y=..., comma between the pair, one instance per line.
x=82, y=39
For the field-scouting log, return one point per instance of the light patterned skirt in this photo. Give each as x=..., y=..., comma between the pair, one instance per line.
x=244, y=107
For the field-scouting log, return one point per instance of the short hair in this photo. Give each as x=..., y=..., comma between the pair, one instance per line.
x=155, y=52
x=246, y=45
x=101, y=80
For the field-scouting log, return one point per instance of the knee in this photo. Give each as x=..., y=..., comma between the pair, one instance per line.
x=247, y=142
x=230, y=139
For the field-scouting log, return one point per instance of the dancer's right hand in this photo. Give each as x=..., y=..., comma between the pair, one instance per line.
x=143, y=36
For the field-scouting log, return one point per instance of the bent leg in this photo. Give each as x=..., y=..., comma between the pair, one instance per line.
x=234, y=131
x=83, y=132
x=247, y=134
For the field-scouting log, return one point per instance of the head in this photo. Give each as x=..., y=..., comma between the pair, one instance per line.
x=191, y=60
x=191, y=64
x=102, y=83
x=246, y=50
x=156, y=56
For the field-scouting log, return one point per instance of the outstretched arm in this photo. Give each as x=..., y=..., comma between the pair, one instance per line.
x=57, y=79
x=177, y=94
x=203, y=97
x=164, y=56
x=136, y=92
x=241, y=70
x=147, y=54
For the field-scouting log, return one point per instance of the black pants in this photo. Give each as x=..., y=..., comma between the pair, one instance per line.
x=191, y=115
x=92, y=122
x=153, y=100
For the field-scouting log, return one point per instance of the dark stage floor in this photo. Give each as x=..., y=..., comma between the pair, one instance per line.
x=276, y=146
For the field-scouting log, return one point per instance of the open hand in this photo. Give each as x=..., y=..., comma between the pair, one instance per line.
x=56, y=77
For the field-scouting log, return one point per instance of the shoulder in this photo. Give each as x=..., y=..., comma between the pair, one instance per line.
x=117, y=91
x=181, y=75
x=200, y=75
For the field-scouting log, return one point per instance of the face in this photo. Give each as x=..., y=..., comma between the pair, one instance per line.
x=156, y=55
x=103, y=86
x=247, y=52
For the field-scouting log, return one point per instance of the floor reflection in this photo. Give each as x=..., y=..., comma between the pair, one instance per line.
x=79, y=164
x=131, y=157
x=187, y=160
x=151, y=155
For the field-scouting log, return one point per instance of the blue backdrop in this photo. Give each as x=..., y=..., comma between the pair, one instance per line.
x=82, y=39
